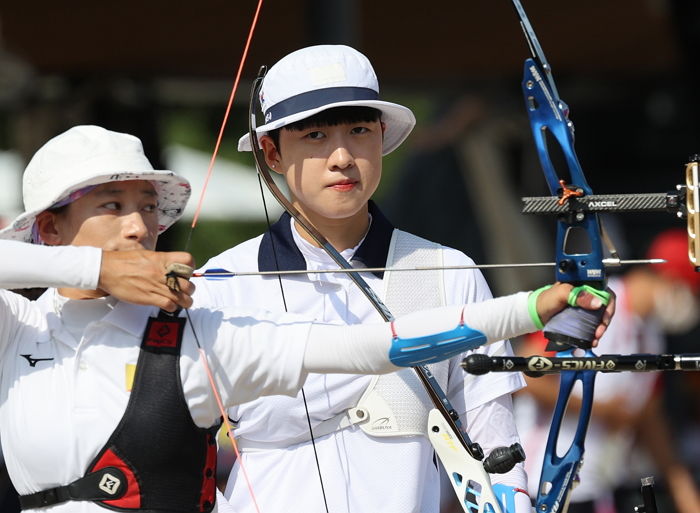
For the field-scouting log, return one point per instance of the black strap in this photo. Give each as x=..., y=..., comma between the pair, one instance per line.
x=105, y=484
x=156, y=459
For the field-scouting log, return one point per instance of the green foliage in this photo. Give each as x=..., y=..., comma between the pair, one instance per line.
x=209, y=238
x=198, y=128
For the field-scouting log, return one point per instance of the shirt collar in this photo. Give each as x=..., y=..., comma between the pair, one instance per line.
x=372, y=252
x=129, y=317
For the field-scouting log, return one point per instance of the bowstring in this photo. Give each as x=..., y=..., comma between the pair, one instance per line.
x=284, y=302
x=224, y=122
x=222, y=411
x=210, y=169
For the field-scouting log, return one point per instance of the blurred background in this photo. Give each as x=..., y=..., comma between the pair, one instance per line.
x=163, y=70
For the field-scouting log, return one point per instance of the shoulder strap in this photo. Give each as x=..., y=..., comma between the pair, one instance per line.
x=396, y=404
x=405, y=291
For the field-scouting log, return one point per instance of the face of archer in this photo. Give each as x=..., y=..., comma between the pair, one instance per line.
x=331, y=171
x=114, y=216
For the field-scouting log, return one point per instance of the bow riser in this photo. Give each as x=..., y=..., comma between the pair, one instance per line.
x=462, y=470
x=547, y=116
x=579, y=258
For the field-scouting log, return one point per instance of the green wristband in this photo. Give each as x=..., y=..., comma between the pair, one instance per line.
x=603, y=295
x=532, y=306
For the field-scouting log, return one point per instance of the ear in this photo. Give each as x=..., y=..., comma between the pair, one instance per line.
x=272, y=156
x=48, y=231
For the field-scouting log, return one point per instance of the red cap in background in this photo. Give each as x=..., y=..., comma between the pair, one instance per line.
x=672, y=246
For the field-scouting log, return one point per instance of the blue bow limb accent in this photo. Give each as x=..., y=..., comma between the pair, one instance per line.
x=579, y=264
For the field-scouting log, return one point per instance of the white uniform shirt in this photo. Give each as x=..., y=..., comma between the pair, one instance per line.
x=61, y=398
x=360, y=473
x=605, y=460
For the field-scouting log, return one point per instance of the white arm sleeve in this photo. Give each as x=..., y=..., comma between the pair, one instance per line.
x=499, y=318
x=356, y=349
x=254, y=353
x=365, y=348
x=25, y=265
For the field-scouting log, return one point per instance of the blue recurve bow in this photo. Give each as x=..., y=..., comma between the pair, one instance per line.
x=574, y=327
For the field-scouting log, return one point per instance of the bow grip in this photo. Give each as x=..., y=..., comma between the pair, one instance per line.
x=575, y=326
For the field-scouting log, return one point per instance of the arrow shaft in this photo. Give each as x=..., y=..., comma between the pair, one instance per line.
x=223, y=274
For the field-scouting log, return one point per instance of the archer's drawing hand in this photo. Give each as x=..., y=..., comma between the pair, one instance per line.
x=139, y=276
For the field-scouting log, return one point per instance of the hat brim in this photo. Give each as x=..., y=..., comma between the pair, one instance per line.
x=173, y=193
x=399, y=122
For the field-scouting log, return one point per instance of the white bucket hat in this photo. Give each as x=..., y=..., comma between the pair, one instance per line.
x=87, y=156
x=322, y=77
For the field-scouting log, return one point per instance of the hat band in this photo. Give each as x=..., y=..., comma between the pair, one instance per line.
x=73, y=196
x=318, y=98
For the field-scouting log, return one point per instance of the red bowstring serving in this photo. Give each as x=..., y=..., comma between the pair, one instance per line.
x=210, y=169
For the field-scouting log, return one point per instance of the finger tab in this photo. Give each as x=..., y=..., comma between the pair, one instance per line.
x=181, y=270
x=175, y=271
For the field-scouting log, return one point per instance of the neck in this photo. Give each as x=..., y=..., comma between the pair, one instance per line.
x=71, y=293
x=341, y=233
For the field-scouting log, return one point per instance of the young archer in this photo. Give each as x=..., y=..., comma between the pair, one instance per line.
x=325, y=133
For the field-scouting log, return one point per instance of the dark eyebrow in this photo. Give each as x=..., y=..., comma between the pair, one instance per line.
x=115, y=190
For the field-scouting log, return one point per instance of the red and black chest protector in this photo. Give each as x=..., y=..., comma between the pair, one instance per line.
x=156, y=459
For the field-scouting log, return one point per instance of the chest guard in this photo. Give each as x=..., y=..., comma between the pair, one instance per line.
x=396, y=404
x=156, y=459
x=393, y=404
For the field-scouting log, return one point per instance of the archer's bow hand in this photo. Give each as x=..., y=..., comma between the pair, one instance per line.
x=550, y=301
x=141, y=277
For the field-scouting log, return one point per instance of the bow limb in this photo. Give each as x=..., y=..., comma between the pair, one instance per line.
x=461, y=457
x=549, y=122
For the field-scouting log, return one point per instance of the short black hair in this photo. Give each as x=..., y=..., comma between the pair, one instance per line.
x=59, y=210
x=330, y=117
